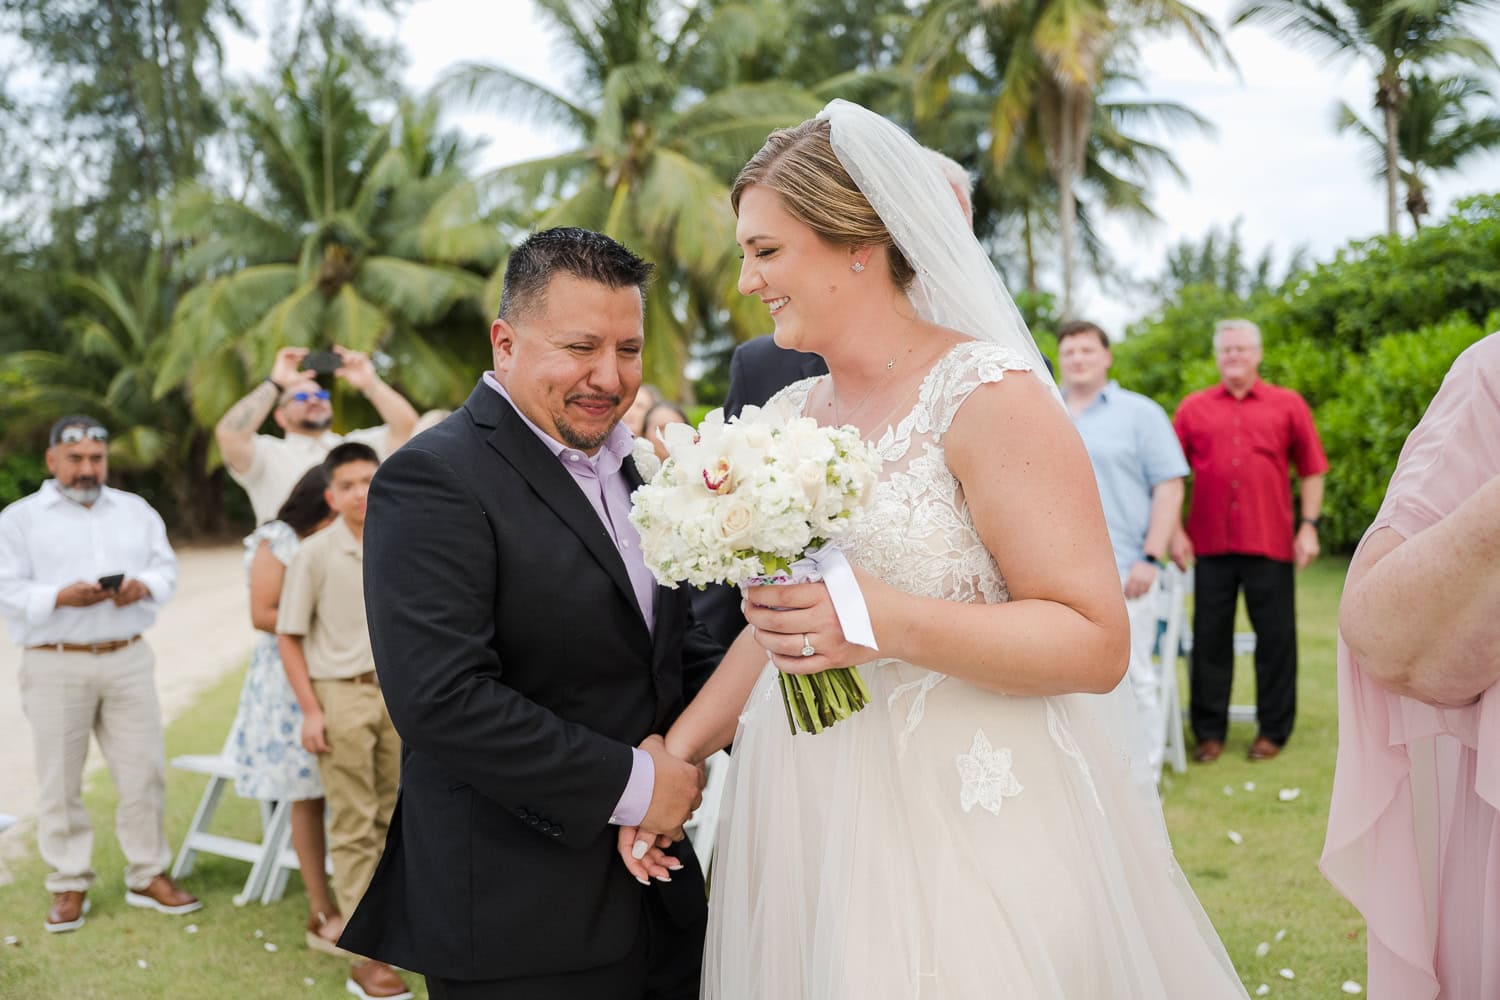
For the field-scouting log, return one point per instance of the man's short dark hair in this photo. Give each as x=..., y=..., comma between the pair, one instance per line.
x=80, y=420
x=582, y=253
x=1074, y=327
x=344, y=454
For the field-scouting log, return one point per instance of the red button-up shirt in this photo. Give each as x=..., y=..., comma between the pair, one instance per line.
x=1239, y=451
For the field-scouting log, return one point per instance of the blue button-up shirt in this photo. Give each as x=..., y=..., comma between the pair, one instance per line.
x=1132, y=446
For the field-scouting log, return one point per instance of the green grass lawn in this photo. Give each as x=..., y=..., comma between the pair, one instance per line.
x=1266, y=884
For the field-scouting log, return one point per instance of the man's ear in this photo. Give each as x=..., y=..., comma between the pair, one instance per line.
x=51, y=454
x=503, y=344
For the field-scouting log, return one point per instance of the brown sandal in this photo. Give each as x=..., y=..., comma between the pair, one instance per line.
x=316, y=941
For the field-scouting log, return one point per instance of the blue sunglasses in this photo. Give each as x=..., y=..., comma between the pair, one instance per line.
x=306, y=397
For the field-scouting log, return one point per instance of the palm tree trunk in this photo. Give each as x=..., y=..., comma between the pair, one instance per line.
x=1392, y=169
x=1030, y=240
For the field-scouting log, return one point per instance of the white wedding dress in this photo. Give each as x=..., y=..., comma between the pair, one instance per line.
x=946, y=842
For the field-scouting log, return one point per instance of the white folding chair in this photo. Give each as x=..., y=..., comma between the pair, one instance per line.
x=1177, y=584
x=268, y=857
x=704, y=825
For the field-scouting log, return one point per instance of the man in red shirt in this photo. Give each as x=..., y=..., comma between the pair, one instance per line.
x=1239, y=437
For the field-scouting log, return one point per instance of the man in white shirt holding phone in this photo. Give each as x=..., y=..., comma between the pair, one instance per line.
x=84, y=569
x=268, y=466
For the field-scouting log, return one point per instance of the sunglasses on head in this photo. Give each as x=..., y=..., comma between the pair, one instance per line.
x=307, y=397
x=77, y=433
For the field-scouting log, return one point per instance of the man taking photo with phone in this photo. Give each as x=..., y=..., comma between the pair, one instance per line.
x=268, y=466
x=84, y=569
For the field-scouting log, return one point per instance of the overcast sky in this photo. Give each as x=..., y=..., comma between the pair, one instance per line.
x=1274, y=160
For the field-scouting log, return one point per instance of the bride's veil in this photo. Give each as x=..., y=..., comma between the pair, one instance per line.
x=957, y=286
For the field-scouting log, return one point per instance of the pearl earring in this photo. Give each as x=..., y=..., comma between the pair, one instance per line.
x=856, y=267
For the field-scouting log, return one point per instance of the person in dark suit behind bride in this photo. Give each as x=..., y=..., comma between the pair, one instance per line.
x=529, y=659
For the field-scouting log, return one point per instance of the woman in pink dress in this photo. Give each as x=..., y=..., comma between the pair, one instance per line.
x=1414, y=825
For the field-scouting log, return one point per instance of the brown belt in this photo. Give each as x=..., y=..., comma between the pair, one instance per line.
x=368, y=677
x=87, y=647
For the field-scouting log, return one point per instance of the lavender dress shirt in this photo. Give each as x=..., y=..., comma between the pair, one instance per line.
x=608, y=492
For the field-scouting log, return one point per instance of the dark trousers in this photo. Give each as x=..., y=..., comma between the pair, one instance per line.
x=1270, y=598
x=665, y=963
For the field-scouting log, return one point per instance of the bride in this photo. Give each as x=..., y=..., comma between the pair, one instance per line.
x=975, y=832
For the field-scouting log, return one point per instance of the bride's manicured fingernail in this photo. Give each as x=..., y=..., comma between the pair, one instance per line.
x=640, y=849
x=642, y=881
x=674, y=864
x=663, y=878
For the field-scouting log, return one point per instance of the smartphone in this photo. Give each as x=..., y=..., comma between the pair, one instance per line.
x=112, y=582
x=322, y=362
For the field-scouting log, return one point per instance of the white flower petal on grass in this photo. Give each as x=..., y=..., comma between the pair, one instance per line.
x=1249, y=786
x=1287, y=974
x=1228, y=790
x=190, y=929
x=10, y=939
x=1288, y=794
x=140, y=963
x=1262, y=990
x=1351, y=987
x=259, y=933
x=270, y=946
x=1235, y=838
x=1263, y=949
x=1280, y=934
x=308, y=981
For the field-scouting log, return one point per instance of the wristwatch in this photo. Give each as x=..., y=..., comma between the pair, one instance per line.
x=1314, y=521
x=1153, y=560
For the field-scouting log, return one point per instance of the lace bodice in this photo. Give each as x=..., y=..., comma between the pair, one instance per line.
x=917, y=534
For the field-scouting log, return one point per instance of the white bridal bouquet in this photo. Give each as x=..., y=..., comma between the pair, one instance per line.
x=761, y=499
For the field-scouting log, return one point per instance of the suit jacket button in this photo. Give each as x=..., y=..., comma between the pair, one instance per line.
x=556, y=831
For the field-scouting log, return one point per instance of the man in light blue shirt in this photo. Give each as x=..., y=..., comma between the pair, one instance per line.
x=1140, y=468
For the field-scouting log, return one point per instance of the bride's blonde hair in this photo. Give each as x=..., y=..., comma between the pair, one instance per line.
x=799, y=164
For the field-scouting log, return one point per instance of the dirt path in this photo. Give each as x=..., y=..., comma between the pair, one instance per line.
x=202, y=633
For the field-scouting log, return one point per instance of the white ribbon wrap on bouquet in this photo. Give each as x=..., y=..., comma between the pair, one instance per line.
x=829, y=565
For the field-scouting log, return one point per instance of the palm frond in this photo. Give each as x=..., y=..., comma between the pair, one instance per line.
x=483, y=85
x=418, y=293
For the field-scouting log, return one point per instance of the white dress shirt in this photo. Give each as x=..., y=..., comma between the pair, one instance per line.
x=47, y=542
x=279, y=462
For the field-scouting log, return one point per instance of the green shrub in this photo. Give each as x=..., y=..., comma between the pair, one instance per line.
x=1378, y=403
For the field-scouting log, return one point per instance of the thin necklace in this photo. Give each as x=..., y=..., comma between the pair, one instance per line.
x=890, y=368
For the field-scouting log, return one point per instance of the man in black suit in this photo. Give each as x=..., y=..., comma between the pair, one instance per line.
x=527, y=658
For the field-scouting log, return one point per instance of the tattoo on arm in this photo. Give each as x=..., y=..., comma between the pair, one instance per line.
x=250, y=412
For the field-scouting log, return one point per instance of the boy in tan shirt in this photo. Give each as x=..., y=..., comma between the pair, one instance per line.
x=325, y=648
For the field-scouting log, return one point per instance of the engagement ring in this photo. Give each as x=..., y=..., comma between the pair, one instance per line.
x=807, y=649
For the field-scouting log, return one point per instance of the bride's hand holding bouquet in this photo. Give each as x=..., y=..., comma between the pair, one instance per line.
x=761, y=500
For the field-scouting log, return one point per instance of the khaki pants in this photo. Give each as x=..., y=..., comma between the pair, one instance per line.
x=67, y=696
x=360, y=773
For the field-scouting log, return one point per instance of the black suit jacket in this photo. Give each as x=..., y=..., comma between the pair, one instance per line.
x=518, y=670
x=758, y=370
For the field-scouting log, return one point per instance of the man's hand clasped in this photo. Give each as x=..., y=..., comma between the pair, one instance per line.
x=676, y=794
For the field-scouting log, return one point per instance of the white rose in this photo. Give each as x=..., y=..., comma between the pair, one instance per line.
x=735, y=521
x=812, y=477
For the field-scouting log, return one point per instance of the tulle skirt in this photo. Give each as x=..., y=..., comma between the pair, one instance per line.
x=949, y=842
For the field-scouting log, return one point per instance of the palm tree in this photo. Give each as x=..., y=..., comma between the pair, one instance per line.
x=1443, y=124
x=1391, y=37
x=326, y=246
x=1050, y=60
x=659, y=137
